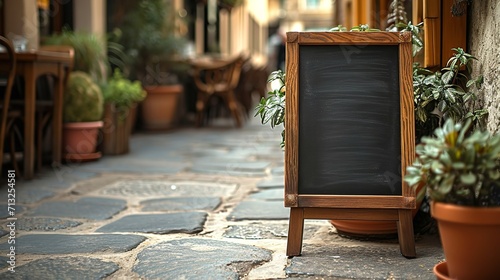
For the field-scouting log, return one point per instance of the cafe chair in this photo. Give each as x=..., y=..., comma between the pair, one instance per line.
x=10, y=114
x=253, y=83
x=218, y=78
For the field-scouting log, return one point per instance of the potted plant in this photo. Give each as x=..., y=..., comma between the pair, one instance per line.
x=121, y=97
x=461, y=170
x=148, y=36
x=82, y=114
x=90, y=52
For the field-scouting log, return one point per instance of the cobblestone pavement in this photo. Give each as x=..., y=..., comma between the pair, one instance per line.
x=191, y=203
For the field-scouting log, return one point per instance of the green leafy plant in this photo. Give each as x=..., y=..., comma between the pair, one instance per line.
x=90, y=52
x=447, y=94
x=457, y=166
x=451, y=92
x=122, y=91
x=83, y=100
x=150, y=42
x=272, y=108
x=416, y=35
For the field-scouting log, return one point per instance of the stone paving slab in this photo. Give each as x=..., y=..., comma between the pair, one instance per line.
x=278, y=171
x=197, y=258
x=272, y=194
x=230, y=168
x=111, y=164
x=364, y=262
x=145, y=188
x=259, y=210
x=180, y=204
x=26, y=195
x=4, y=210
x=35, y=190
x=45, y=224
x=76, y=268
x=203, y=152
x=266, y=231
x=65, y=174
x=92, y=208
x=48, y=183
x=273, y=182
x=43, y=244
x=3, y=263
x=183, y=222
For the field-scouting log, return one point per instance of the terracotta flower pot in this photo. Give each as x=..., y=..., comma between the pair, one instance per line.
x=160, y=107
x=441, y=271
x=469, y=236
x=80, y=140
x=373, y=228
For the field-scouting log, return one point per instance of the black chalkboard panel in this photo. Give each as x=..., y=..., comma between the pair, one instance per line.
x=349, y=124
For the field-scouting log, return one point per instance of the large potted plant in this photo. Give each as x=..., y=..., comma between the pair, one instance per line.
x=82, y=114
x=148, y=36
x=461, y=170
x=121, y=97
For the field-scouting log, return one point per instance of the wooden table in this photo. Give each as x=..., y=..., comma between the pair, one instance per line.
x=31, y=65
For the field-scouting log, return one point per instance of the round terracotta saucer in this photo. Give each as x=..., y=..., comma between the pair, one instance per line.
x=441, y=271
x=69, y=157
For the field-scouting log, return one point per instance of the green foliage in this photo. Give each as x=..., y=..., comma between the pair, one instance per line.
x=117, y=58
x=123, y=92
x=272, y=108
x=83, y=101
x=416, y=39
x=148, y=36
x=362, y=28
x=458, y=167
x=447, y=94
x=90, y=52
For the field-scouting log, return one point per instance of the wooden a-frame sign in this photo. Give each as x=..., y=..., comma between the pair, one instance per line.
x=349, y=130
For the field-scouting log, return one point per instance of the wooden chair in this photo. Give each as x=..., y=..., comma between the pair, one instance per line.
x=218, y=78
x=9, y=115
x=253, y=81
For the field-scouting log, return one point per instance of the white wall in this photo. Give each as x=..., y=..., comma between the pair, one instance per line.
x=90, y=16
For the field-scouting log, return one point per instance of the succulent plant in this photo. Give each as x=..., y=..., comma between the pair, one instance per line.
x=458, y=166
x=83, y=100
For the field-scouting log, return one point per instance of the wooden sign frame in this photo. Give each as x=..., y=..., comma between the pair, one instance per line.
x=396, y=208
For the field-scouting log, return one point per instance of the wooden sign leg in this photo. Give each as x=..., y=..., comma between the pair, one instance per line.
x=295, y=232
x=405, y=234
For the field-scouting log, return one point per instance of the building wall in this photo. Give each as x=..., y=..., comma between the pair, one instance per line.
x=21, y=19
x=300, y=17
x=484, y=37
